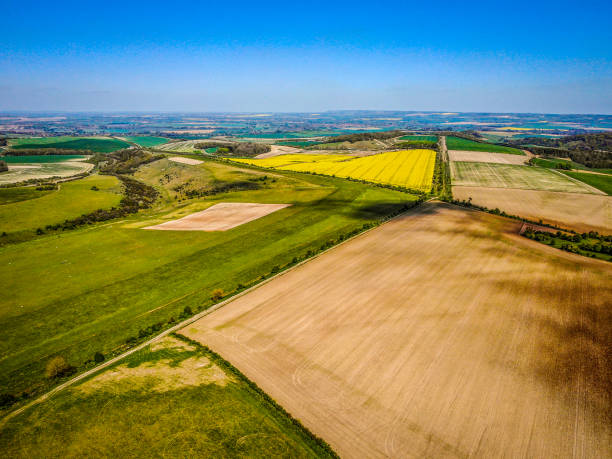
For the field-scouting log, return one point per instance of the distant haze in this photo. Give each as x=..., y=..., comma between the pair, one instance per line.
x=541, y=57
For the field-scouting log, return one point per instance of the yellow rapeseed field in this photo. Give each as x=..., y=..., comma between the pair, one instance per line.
x=406, y=168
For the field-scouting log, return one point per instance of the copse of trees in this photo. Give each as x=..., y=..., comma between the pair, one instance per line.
x=126, y=161
x=590, y=158
x=237, y=148
x=365, y=136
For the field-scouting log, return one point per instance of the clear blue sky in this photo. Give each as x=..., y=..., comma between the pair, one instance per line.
x=536, y=56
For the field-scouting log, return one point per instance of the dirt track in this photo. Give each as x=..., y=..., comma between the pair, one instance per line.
x=441, y=334
x=582, y=212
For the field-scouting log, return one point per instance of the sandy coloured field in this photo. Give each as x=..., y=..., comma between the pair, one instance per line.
x=439, y=334
x=220, y=217
x=277, y=150
x=581, y=212
x=484, y=157
x=190, y=161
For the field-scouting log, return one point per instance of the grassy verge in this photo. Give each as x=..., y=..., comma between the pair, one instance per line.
x=174, y=398
x=103, y=288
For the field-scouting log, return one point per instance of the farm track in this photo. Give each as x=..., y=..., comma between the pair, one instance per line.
x=440, y=334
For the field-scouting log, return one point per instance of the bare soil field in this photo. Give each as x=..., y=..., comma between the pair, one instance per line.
x=512, y=176
x=581, y=212
x=220, y=217
x=276, y=150
x=442, y=333
x=484, y=157
x=190, y=161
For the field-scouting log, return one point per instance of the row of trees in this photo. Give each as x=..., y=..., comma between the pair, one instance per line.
x=237, y=148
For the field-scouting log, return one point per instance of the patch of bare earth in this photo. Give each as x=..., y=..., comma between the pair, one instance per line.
x=277, y=150
x=190, y=161
x=484, y=157
x=581, y=212
x=159, y=376
x=439, y=334
x=220, y=217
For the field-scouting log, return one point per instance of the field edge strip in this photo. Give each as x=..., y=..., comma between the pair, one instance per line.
x=319, y=443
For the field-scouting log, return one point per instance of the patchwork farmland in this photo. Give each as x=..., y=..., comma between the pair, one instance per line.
x=236, y=310
x=381, y=358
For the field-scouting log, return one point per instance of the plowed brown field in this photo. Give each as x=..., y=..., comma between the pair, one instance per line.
x=220, y=217
x=581, y=212
x=440, y=334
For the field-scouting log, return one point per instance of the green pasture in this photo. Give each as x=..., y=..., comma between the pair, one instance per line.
x=511, y=176
x=132, y=416
x=458, y=143
x=98, y=286
x=95, y=144
x=12, y=159
x=428, y=138
x=552, y=162
x=46, y=208
x=599, y=181
x=146, y=141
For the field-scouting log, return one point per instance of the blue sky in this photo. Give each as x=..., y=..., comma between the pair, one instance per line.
x=537, y=56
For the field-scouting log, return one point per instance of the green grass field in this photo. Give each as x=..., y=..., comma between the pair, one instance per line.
x=17, y=194
x=70, y=201
x=552, y=162
x=146, y=141
x=11, y=159
x=98, y=286
x=428, y=138
x=601, y=182
x=95, y=144
x=458, y=143
x=511, y=176
x=169, y=399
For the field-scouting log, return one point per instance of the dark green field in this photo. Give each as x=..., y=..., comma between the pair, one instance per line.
x=599, y=181
x=98, y=287
x=98, y=145
x=39, y=158
x=428, y=138
x=458, y=143
x=146, y=141
x=169, y=399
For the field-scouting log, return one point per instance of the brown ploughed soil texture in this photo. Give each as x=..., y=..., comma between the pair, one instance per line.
x=484, y=157
x=220, y=217
x=190, y=161
x=442, y=333
x=581, y=212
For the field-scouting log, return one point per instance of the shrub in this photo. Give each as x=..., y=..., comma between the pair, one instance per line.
x=57, y=367
x=99, y=357
x=217, y=294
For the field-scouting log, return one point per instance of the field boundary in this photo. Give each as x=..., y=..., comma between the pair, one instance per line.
x=190, y=320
